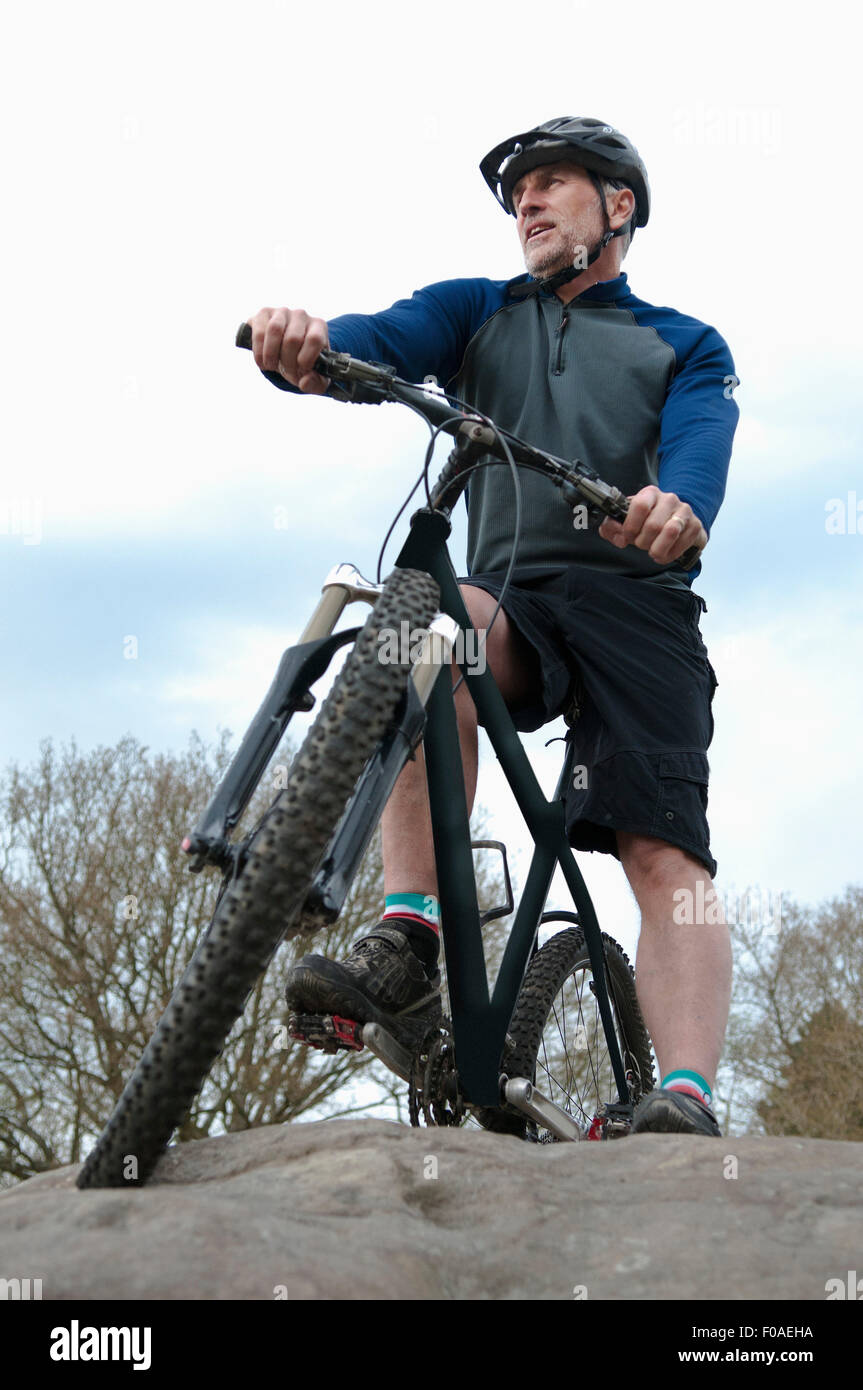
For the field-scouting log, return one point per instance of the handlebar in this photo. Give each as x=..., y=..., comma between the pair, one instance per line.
x=373, y=382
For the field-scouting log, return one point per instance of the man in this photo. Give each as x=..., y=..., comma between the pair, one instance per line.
x=568, y=358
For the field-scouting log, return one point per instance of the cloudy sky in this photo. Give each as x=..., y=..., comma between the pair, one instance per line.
x=171, y=168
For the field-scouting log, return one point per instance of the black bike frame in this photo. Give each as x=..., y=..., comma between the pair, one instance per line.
x=480, y=1019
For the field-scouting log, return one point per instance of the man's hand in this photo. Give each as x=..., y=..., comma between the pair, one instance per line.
x=659, y=523
x=287, y=341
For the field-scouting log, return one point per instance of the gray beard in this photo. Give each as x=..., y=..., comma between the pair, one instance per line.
x=549, y=262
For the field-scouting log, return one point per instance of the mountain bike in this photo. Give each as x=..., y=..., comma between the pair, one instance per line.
x=557, y=1050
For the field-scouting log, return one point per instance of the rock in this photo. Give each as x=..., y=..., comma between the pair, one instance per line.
x=368, y=1209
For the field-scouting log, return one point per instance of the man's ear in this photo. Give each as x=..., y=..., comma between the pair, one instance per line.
x=622, y=206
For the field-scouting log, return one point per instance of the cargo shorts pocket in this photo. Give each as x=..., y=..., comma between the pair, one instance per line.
x=681, y=802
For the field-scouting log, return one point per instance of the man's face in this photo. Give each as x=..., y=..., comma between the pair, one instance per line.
x=557, y=212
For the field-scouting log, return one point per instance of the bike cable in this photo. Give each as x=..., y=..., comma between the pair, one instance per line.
x=499, y=435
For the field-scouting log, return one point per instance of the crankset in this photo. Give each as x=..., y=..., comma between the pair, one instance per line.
x=434, y=1096
x=433, y=1089
x=429, y=1069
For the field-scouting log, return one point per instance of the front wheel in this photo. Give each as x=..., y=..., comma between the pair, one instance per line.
x=556, y=1038
x=260, y=906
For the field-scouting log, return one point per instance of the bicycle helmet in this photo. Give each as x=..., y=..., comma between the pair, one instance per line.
x=599, y=148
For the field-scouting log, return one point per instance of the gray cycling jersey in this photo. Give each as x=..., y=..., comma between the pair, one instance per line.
x=640, y=393
x=582, y=380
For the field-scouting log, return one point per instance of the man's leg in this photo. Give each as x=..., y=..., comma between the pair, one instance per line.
x=406, y=833
x=683, y=968
x=391, y=976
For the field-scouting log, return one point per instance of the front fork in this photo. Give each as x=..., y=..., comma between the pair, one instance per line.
x=299, y=668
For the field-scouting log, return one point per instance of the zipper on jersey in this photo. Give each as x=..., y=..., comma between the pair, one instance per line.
x=557, y=369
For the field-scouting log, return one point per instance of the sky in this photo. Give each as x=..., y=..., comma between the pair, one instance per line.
x=170, y=169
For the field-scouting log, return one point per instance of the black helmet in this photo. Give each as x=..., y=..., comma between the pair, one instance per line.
x=599, y=148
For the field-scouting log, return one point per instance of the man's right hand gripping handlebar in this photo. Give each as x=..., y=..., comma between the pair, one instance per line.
x=288, y=342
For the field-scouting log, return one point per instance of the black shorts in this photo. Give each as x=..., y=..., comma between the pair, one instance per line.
x=625, y=657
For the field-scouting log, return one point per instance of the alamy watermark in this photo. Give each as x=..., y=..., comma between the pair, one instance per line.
x=20, y=1290
x=22, y=516
x=77, y=1343
x=418, y=646
x=757, y=126
x=711, y=906
x=848, y=1288
x=844, y=516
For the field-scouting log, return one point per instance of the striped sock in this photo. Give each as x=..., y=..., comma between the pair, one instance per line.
x=418, y=916
x=417, y=907
x=690, y=1082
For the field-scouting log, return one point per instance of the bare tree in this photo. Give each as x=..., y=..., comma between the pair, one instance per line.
x=98, y=918
x=796, y=1019
x=820, y=1089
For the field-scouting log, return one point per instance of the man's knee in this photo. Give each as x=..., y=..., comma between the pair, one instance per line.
x=480, y=606
x=513, y=661
x=649, y=862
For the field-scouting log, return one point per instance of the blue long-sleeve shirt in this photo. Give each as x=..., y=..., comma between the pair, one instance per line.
x=641, y=393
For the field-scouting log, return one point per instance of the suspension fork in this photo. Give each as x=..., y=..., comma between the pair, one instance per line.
x=301, y=665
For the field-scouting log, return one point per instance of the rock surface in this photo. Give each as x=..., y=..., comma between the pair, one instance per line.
x=368, y=1209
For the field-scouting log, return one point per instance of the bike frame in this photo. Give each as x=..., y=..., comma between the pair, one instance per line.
x=480, y=1017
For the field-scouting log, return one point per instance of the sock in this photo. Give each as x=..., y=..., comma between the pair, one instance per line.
x=690, y=1082
x=418, y=916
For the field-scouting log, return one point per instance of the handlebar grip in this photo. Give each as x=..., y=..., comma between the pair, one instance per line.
x=689, y=559
x=244, y=340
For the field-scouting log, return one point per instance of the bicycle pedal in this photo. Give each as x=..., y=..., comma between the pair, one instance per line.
x=329, y=1032
x=614, y=1121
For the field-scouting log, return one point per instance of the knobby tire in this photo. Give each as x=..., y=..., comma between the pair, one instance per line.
x=260, y=908
x=553, y=1042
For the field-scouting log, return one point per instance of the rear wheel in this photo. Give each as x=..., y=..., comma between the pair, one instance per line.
x=257, y=909
x=556, y=1038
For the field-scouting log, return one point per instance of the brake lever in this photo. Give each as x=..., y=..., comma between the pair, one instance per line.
x=364, y=383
